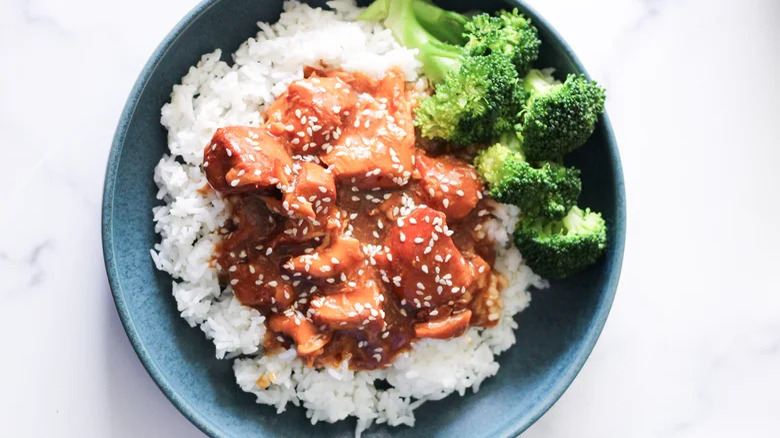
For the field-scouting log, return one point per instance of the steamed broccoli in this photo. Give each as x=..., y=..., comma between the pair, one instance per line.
x=562, y=248
x=475, y=103
x=419, y=24
x=479, y=91
x=508, y=33
x=545, y=193
x=558, y=118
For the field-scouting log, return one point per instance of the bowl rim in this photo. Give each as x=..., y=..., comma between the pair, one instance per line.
x=520, y=422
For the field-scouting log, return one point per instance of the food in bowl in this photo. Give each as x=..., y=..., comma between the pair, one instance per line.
x=345, y=200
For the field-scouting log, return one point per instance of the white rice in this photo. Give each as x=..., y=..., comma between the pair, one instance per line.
x=214, y=94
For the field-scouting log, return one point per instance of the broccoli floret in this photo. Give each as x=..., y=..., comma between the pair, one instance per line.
x=508, y=33
x=475, y=103
x=545, y=193
x=476, y=97
x=558, y=118
x=561, y=248
x=419, y=24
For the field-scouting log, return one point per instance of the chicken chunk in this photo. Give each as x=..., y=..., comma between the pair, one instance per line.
x=300, y=231
x=244, y=158
x=449, y=185
x=444, y=328
x=339, y=256
x=311, y=112
x=308, y=339
x=376, y=146
x=258, y=283
x=427, y=270
x=312, y=190
x=251, y=220
x=358, y=308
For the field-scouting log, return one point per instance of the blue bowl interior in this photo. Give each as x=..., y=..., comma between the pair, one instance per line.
x=555, y=336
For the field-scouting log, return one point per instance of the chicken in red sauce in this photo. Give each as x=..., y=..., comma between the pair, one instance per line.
x=353, y=241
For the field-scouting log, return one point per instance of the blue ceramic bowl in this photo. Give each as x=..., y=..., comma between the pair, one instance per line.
x=556, y=333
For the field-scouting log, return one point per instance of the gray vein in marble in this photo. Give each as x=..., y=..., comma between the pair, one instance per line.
x=772, y=349
x=653, y=7
x=678, y=427
x=30, y=260
x=652, y=10
x=70, y=181
x=36, y=18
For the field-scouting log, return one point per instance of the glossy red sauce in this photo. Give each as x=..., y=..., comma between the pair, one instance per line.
x=352, y=241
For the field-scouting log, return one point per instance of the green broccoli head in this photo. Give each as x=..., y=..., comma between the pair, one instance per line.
x=477, y=97
x=558, y=118
x=419, y=24
x=561, y=248
x=545, y=193
x=508, y=33
x=475, y=103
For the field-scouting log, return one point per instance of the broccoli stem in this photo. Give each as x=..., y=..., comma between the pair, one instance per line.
x=447, y=26
x=376, y=11
x=537, y=83
x=437, y=34
x=513, y=142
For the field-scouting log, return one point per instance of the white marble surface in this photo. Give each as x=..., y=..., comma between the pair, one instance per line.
x=691, y=349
